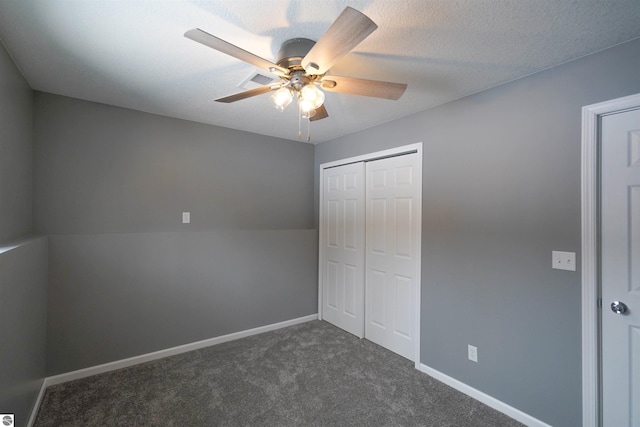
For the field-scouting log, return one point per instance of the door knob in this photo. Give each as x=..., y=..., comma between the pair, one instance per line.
x=618, y=307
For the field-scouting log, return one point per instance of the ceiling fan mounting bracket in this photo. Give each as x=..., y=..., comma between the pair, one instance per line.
x=290, y=57
x=292, y=52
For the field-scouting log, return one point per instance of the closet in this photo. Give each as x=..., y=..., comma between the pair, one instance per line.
x=370, y=214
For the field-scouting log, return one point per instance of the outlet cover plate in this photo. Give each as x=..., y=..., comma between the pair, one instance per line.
x=564, y=260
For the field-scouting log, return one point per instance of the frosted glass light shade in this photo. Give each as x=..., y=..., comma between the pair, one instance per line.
x=281, y=98
x=311, y=94
x=307, y=114
x=306, y=107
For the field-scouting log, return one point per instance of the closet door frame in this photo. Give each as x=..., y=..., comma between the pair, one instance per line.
x=393, y=152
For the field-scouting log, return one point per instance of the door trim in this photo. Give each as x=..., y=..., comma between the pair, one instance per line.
x=397, y=151
x=590, y=161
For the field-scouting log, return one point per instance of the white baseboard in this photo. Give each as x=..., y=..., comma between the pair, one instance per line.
x=492, y=402
x=124, y=363
x=36, y=405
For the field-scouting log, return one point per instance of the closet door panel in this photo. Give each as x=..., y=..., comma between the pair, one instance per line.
x=391, y=264
x=342, y=247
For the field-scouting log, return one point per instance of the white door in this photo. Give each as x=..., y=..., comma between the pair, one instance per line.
x=392, y=252
x=620, y=257
x=342, y=247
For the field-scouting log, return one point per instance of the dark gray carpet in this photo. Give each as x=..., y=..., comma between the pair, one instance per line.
x=311, y=374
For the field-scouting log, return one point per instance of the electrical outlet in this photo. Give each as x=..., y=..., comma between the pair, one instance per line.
x=186, y=217
x=563, y=260
x=473, y=353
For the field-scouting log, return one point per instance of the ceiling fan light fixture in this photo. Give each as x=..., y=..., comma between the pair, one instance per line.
x=302, y=65
x=281, y=98
x=306, y=107
x=307, y=114
x=311, y=94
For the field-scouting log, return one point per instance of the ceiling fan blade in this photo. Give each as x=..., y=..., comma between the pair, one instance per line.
x=347, y=31
x=321, y=113
x=373, y=88
x=248, y=93
x=218, y=44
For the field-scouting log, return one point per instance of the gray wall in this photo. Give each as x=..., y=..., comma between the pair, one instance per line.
x=16, y=151
x=102, y=169
x=501, y=190
x=23, y=293
x=114, y=296
x=23, y=269
x=126, y=276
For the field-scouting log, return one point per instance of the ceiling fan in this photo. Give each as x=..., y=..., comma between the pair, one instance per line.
x=303, y=64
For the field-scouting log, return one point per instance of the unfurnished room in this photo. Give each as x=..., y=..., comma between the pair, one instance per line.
x=320, y=213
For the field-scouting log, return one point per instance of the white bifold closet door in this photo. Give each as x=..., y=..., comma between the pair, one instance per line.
x=370, y=250
x=392, y=262
x=343, y=247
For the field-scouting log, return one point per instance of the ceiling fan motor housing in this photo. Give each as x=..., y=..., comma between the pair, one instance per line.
x=292, y=52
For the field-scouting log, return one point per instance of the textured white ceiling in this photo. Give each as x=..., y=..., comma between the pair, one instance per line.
x=132, y=53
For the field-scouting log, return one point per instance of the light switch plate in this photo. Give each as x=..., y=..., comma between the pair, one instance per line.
x=564, y=260
x=472, y=352
x=186, y=217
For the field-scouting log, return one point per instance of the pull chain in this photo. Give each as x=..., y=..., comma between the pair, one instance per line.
x=299, y=119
